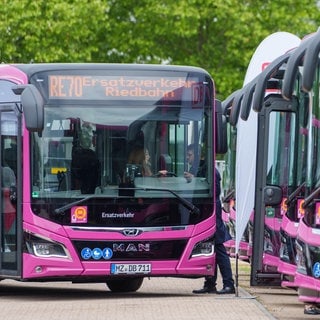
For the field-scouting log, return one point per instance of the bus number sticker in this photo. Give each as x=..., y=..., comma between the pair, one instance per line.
x=317, y=217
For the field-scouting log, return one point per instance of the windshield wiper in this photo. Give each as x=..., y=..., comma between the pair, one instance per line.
x=74, y=203
x=189, y=205
x=294, y=194
x=310, y=198
x=229, y=196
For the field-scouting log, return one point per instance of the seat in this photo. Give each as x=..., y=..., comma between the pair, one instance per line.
x=165, y=162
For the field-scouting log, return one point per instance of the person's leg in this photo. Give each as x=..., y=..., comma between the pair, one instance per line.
x=223, y=261
x=209, y=285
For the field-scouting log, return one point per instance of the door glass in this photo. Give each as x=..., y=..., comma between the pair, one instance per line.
x=8, y=176
x=281, y=145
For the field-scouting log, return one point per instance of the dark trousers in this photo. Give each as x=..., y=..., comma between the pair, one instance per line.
x=224, y=265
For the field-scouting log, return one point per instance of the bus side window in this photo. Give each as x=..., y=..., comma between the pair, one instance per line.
x=10, y=156
x=8, y=177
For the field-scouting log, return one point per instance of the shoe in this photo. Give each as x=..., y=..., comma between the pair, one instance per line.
x=227, y=290
x=205, y=289
x=310, y=309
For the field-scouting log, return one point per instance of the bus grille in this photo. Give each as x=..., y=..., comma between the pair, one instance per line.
x=129, y=250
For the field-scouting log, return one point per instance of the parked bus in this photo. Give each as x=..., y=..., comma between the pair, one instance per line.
x=286, y=130
x=298, y=154
x=278, y=180
x=230, y=107
x=96, y=155
x=288, y=127
x=251, y=151
x=306, y=64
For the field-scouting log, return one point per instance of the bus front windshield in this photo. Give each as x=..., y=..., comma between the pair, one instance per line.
x=122, y=165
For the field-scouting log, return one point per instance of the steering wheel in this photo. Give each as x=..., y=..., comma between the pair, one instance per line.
x=165, y=174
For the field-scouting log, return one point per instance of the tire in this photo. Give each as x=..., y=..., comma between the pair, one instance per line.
x=124, y=284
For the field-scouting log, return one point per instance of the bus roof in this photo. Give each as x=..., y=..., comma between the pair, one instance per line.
x=36, y=67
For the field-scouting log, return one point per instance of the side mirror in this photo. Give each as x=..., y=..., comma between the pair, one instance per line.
x=221, y=130
x=310, y=62
x=33, y=104
x=272, y=195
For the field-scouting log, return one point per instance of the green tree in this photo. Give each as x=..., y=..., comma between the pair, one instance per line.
x=51, y=31
x=218, y=35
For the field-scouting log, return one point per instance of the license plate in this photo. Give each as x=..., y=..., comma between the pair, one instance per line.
x=130, y=268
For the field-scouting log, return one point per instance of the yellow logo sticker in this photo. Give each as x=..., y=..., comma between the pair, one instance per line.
x=79, y=214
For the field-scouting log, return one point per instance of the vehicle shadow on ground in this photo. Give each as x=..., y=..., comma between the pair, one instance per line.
x=53, y=293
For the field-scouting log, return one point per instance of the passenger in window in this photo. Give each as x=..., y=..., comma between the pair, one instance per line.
x=146, y=165
x=8, y=177
x=141, y=157
x=10, y=155
x=85, y=165
x=197, y=166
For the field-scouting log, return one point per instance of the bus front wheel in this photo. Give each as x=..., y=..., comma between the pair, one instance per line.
x=124, y=284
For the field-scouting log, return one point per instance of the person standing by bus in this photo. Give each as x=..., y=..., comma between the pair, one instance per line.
x=222, y=258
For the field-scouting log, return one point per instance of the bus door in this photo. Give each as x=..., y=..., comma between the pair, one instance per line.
x=8, y=201
x=276, y=132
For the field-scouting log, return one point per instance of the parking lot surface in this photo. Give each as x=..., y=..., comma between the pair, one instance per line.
x=158, y=298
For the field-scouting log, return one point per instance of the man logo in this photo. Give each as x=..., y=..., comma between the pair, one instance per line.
x=131, y=232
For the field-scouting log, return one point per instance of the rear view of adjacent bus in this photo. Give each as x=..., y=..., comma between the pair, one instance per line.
x=87, y=209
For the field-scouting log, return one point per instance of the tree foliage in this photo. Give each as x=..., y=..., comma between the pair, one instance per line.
x=218, y=35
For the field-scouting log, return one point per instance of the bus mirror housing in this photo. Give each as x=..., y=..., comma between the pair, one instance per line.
x=262, y=79
x=295, y=60
x=33, y=104
x=272, y=195
x=221, y=130
x=310, y=61
x=247, y=100
x=235, y=108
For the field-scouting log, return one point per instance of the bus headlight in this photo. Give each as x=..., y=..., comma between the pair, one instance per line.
x=44, y=248
x=283, y=251
x=203, y=248
x=267, y=246
x=300, y=257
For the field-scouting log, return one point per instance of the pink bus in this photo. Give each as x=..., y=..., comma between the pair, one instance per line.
x=93, y=157
x=273, y=164
x=303, y=73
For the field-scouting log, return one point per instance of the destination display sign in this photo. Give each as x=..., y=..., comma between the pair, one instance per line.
x=124, y=88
